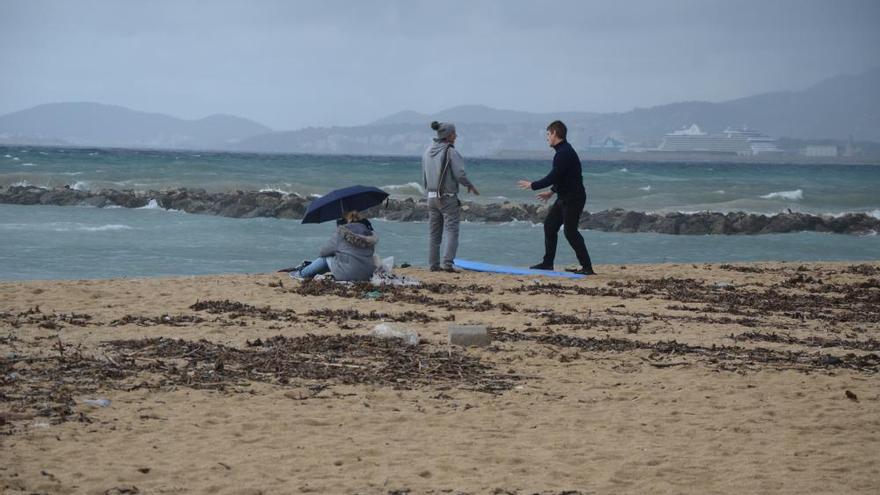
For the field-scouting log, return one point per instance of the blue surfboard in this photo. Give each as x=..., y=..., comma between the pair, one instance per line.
x=510, y=270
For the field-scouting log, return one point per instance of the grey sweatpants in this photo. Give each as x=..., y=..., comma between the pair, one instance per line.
x=444, y=214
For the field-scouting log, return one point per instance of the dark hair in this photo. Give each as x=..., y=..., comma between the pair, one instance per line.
x=558, y=128
x=435, y=125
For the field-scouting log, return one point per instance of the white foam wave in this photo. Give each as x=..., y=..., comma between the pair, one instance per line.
x=720, y=191
x=872, y=213
x=80, y=186
x=624, y=169
x=411, y=186
x=7, y=156
x=275, y=189
x=109, y=226
x=646, y=188
x=154, y=205
x=24, y=183
x=28, y=165
x=16, y=159
x=795, y=195
x=65, y=227
x=518, y=223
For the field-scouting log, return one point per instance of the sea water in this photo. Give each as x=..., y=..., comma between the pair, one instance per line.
x=48, y=242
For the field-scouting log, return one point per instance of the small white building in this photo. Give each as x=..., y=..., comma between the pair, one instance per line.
x=825, y=150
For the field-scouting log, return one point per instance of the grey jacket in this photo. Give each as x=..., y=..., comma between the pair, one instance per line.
x=351, y=247
x=437, y=165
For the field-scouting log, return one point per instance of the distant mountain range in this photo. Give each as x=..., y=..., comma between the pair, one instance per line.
x=839, y=107
x=95, y=124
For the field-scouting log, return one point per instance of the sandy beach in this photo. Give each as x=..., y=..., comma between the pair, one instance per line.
x=745, y=378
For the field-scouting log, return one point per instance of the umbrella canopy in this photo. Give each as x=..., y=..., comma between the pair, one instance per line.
x=333, y=204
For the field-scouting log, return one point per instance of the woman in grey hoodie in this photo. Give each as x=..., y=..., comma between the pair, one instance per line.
x=348, y=255
x=442, y=172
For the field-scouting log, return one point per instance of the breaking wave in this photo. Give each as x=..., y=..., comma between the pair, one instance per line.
x=102, y=228
x=154, y=205
x=65, y=227
x=24, y=183
x=796, y=195
x=275, y=189
x=412, y=188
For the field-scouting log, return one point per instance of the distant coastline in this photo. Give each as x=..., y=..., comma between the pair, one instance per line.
x=832, y=122
x=695, y=158
x=502, y=155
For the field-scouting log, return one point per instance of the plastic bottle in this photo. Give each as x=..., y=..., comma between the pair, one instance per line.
x=386, y=331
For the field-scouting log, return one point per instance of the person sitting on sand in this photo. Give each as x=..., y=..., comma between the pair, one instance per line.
x=348, y=255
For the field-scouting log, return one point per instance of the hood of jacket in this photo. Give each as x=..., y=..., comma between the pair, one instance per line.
x=438, y=147
x=358, y=235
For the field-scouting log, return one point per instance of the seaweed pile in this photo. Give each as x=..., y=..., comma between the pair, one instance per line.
x=728, y=358
x=51, y=386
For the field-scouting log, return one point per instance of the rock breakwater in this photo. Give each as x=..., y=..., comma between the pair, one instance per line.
x=250, y=204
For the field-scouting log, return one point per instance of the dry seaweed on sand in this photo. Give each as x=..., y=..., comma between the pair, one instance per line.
x=151, y=321
x=722, y=357
x=800, y=296
x=343, y=315
x=348, y=359
x=235, y=309
x=51, y=385
x=48, y=386
x=51, y=321
x=811, y=341
x=407, y=294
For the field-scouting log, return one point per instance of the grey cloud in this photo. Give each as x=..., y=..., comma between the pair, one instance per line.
x=293, y=64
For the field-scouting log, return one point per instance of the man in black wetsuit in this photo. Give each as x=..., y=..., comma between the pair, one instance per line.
x=567, y=182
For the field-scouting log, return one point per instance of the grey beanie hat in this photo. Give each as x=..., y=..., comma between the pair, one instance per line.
x=444, y=129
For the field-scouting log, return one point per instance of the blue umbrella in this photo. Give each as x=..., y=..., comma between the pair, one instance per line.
x=333, y=204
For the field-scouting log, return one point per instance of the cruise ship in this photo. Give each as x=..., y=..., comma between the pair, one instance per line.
x=742, y=142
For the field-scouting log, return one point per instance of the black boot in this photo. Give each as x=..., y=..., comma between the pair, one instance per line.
x=582, y=270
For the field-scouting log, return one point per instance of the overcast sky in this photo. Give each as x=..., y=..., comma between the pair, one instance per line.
x=290, y=64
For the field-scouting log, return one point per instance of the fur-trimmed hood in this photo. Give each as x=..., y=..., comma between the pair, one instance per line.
x=358, y=235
